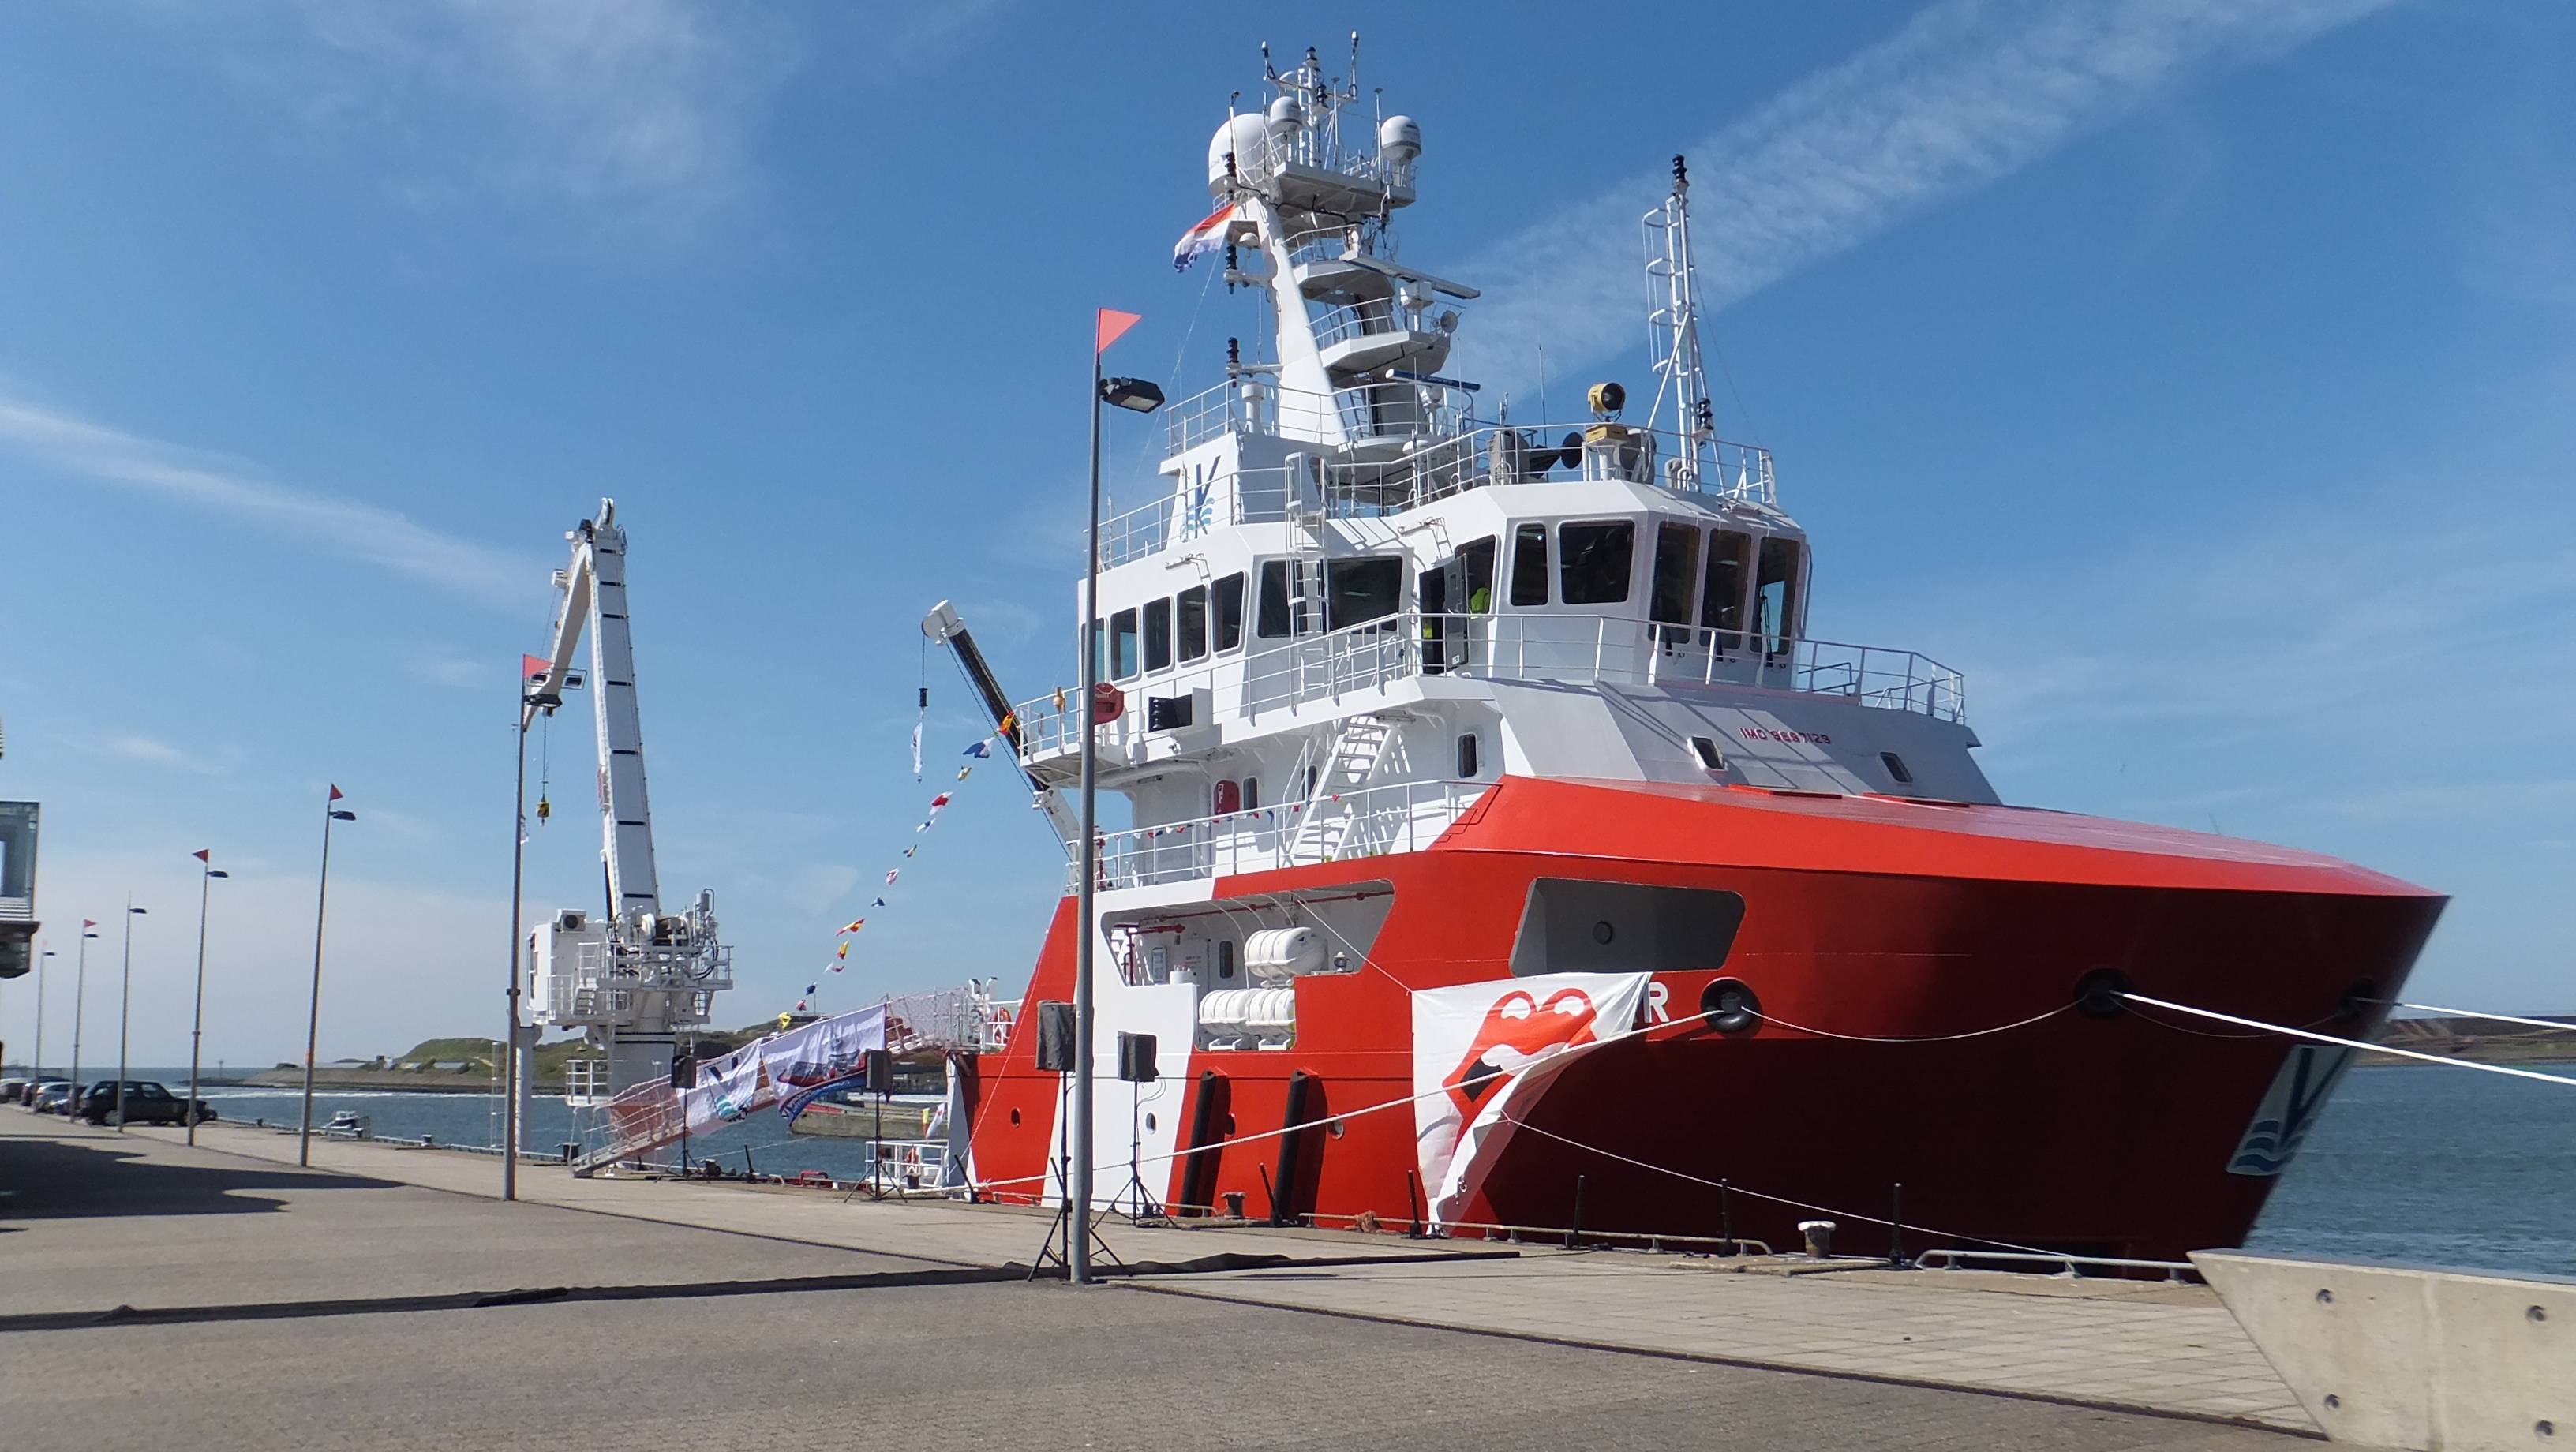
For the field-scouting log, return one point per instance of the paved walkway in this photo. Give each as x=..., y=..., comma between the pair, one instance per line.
x=883, y=1325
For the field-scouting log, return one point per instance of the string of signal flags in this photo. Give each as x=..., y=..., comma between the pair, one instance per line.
x=979, y=751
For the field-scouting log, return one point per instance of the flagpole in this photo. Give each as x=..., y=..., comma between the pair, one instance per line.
x=1079, y=1135
x=197, y=1024
x=124, y=1011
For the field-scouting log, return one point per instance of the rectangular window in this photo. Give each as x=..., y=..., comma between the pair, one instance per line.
x=1190, y=622
x=1229, y=612
x=1705, y=748
x=1099, y=652
x=1474, y=589
x=1676, y=572
x=1122, y=645
x=1896, y=768
x=1721, y=599
x=1359, y=591
x=1775, y=594
x=1158, y=635
x=1595, y=560
x=1272, y=622
x=1467, y=757
x=1529, y=565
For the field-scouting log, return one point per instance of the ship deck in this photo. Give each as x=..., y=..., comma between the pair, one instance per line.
x=306, y=1308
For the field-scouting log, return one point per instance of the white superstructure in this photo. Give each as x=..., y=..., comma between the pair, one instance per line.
x=1359, y=601
x=632, y=977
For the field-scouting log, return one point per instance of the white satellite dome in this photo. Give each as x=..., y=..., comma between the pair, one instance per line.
x=1243, y=135
x=1399, y=139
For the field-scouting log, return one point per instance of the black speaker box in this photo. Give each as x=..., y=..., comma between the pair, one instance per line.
x=1136, y=1058
x=684, y=1072
x=878, y=1065
x=1055, y=1036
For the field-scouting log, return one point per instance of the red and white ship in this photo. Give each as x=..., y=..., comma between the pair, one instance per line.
x=1484, y=776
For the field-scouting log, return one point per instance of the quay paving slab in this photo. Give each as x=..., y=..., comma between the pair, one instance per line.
x=987, y=1366
x=2166, y=1348
x=91, y=1220
x=2122, y=1344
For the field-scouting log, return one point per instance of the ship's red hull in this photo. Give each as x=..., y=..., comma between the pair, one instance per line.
x=1867, y=918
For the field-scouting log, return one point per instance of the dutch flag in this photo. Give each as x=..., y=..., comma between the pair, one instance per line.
x=1206, y=237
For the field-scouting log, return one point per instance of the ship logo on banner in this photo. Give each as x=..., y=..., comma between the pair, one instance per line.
x=1483, y=1051
x=788, y=1069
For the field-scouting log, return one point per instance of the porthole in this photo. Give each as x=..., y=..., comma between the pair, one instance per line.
x=1149, y=1124
x=1015, y=1116
x=1335, y=1128
x=1602, y=932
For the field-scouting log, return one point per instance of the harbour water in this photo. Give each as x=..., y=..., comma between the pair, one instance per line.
x=2426, y=1165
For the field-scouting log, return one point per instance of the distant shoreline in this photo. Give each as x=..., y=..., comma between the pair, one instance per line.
x=390, y=1081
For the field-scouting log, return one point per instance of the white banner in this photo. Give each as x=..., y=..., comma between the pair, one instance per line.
x=793, y=1066
x=1482, y=1052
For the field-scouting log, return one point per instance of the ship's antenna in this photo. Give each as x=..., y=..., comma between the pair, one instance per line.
x=1543, y=415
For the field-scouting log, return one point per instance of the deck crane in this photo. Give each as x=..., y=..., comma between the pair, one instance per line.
x=633, y=979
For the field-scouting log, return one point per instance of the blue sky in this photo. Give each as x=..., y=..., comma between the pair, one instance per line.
x=2195, y=376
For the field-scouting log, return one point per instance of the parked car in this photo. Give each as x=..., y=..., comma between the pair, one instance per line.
x=50, y=1096
x=145, y=1103
x=14, y=1091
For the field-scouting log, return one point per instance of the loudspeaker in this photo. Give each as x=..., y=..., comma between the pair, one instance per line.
x=1055, y=1036
x=1136, y=1058
x=878, y=1065
x=684, y=1072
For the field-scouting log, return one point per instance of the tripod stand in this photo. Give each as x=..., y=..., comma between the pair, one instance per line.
x=1058, y=1246
x=1145, y=1209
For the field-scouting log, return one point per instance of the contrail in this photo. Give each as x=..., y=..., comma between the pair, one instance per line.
x=1968, y=92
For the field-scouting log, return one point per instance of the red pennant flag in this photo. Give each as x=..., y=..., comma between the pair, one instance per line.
x=89, y=922
x=1110, y=326
x=336, y=793
x=205, y=855
x=533, y=667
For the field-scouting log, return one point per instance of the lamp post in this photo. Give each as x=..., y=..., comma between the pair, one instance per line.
x=331, y=812
x=125, y=1009
x=80, y=992
x=197, y=1026
x=39, y=1077
x=1142, y=397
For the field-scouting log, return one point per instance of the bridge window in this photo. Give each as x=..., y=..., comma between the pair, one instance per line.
x=1529, y=565
x=1467, y=756
x=1190, y=622
x=1229, y=612
x=1676, y=571
x=1775, y=594
x=1158, y=634
x=1721, y=599
x=1272, y=623
x=1596, y=560
x=1359, y=591
x=1473, y=578
x=1122, y=645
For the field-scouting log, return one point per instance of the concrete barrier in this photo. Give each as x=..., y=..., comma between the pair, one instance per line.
x=2405, y=1356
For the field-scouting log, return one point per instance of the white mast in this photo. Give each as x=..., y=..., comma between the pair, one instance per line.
x=1672, y=331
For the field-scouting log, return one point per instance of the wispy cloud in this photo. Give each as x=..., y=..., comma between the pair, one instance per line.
x=86, y=449
x=152, y=750
x=1968, y=92
x=456, y=672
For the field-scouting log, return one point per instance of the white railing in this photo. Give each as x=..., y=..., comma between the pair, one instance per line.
x=1254, y=403
x=601, y=983
x=1621, y=650
x=1373, y=822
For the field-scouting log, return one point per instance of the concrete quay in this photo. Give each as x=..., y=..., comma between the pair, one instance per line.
x=282, y=1309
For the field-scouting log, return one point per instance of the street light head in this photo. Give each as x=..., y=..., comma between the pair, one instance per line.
x=217, y=872
x=344, y=816
x=1135, y=394
x=138, y=912
x=89, y=935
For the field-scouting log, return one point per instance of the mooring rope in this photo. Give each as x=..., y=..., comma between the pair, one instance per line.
x=1733, y=1188
x=2255, y=1023
x=2558, y=1025
x=1913, y=1038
